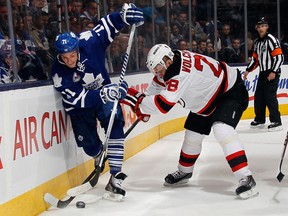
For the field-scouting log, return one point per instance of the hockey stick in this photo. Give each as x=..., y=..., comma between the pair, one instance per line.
x=55, y=202
x=132, y=127
x=90, y=184
x=280, y=176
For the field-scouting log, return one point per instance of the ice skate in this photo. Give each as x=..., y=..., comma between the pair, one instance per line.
x=275, y=126
x=177, y=178
x=246, y=188
x=113, y=190
x=255, y=124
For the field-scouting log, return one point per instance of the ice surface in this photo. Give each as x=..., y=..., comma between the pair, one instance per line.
x=210, y=192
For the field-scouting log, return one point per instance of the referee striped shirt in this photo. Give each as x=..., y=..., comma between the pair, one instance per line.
x=267, y=55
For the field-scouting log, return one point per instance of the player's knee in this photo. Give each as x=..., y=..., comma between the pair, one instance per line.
x=224, y=133
x=193, y=138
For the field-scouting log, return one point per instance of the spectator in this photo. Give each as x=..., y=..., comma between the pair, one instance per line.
x=38, y=32
x=88, y=26
x=76, y=8
x=250, y=47
x=194, y=46
x=183, y=5
x=232, y=54
x=225, y=36
x=210, y=50
x=182, y=45
x=76, y=25
x=175, y=36
x=182, y=23
x=6, y=74
x=142, y=52
x=147, y=33
x=91, y=11
x=163, y=34
x=36, y=6
x=218, y=42
x=28, y=66
x=26, y=36
x=4, y=29
x=116, y=55
x=202, y=48
x=41, y=41
x=198, y=29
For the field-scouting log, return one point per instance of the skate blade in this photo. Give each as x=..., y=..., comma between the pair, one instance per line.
x=113, y=197
x=248, y=194
x=279, y=128
x=180, y=183
x=260, y=126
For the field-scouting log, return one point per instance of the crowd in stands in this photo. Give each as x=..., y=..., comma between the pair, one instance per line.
x=37, y=22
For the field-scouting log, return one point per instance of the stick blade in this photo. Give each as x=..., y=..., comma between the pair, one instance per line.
x=50, y=199
x=55, y=202
x=86, y=186
x=280, y=176
x=75, y=191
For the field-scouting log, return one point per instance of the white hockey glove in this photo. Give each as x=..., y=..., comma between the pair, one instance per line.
x=132, y=15
x=111, y=92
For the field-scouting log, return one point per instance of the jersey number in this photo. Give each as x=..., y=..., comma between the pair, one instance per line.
x=172, y=85
x=199, y=66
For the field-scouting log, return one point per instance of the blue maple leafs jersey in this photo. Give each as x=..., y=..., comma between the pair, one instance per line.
x=80, y=86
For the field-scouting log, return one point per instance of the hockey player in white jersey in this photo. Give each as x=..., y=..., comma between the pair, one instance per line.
x=216, y=96
x=79, y=74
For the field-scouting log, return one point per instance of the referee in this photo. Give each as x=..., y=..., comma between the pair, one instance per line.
x=268, y=56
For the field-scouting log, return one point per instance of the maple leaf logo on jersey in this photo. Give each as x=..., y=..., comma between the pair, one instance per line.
x=57, y=81
x=92, y=82
x=85, y=35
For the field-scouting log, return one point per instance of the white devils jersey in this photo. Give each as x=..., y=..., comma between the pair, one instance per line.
x=194, y=81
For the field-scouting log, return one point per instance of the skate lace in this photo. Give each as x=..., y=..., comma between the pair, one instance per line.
x=117, y=182
x=178, y=174
x=244, y=181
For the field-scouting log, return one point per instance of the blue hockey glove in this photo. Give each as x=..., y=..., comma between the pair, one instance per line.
x=132, y=15
x=111, y=92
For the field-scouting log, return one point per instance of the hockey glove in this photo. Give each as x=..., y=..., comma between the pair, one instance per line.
x=111, y=92
x=130, y=15
x=134, y=99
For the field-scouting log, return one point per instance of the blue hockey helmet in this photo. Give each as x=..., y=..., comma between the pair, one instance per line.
x=66, y=42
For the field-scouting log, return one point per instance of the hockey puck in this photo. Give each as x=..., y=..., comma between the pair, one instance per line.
x=80, y=204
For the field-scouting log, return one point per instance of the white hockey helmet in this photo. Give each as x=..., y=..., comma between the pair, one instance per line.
x=156, y=54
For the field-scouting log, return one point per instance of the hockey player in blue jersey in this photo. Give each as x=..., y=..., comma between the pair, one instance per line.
x=80, y=75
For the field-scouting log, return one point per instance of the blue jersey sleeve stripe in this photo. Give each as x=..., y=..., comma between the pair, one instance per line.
x=83, y=100
x=111, y=24
x=76, y=99
x=107, y=29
